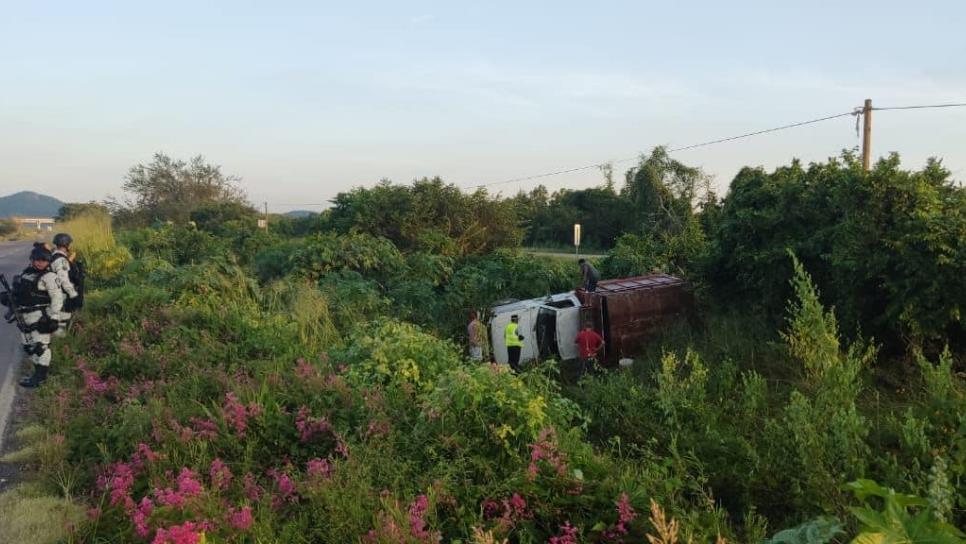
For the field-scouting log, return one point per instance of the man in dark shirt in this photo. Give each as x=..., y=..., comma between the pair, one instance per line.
x=589, y=275
x=589, y=344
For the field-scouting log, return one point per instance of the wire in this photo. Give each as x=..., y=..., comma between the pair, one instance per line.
x=856, y=112
x=929, y=106
x=687, y=147
x=766, y=131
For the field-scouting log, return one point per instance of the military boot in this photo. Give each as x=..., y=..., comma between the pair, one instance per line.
x=39, y=376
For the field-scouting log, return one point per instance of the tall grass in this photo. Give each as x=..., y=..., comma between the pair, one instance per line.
x=308, y=307
x=30, y=515
x=92, y=233
x=94, y=242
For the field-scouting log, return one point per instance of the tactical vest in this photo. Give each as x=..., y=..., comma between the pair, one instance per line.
x=26, y=289
x=75, y=272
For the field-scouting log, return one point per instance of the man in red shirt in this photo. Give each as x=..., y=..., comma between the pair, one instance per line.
x=590, y=344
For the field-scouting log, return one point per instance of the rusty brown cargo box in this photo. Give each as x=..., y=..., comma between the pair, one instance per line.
x=628, y=311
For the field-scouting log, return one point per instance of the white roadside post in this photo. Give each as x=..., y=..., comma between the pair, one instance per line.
x=577, y=239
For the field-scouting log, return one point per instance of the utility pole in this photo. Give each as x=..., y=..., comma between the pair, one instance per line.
x=867, y=135
x=263, y=223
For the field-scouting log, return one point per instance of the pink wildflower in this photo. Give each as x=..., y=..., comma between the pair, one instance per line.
x=545, y=449
x=188, y=487
x=93, y=513
x=310, y=426
x=285, y=487
x=252, y=490
x=185, y=434
x=94, y=383
x=187, y=533
x=305, y=370
x=491, y=509
x=139, y=517
x=142, y=455
x=240, y=519
x=625, y=515
x=516, y=507
x=237, y=414
x=568, y=535
x=188, y=484
x=319, y=468
x=220, y=475
x=204, y=429
x=118, y=479
x=417, y=519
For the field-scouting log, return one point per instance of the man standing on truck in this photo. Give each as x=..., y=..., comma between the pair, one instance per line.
x=589, y=275
x=589, y=343
x=514, y=342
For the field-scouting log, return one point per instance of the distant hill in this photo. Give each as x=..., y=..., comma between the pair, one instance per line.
x=298, y=214
x=29, y=204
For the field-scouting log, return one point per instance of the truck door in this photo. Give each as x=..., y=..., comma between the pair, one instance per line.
x=568, y=325
x=528, y=328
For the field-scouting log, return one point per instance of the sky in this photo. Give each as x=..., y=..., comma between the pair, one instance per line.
x=303, y=99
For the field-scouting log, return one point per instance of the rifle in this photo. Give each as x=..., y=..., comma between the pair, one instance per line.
x=8, y=292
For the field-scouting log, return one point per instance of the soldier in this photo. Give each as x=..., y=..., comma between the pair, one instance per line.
x=38, y=298
x=62, y=265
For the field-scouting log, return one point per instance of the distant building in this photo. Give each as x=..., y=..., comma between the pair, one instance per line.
x=45, y=224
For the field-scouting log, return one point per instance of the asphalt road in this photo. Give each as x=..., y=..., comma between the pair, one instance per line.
x=13, y=259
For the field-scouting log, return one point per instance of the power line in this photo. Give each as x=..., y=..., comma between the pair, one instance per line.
x=855, y=112
x=684, y=148
x=928, y=106
x=766, y=131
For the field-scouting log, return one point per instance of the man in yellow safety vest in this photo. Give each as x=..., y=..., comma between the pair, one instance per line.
x=514, y=342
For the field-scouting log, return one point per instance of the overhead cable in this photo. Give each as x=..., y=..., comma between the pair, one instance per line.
x=674, y=150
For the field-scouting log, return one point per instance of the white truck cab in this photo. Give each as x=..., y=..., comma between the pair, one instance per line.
x=549, y=326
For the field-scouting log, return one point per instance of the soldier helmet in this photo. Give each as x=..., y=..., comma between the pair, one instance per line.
x=40, y=253
x=63, y=239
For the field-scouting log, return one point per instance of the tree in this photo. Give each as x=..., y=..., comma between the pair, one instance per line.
x=887, y=247
x=428, y=215
x=664, y=192
x=169, y=190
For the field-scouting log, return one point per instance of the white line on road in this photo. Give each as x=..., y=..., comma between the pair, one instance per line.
x=7, y=393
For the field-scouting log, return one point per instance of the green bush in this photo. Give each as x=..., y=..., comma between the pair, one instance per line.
x=885, y=246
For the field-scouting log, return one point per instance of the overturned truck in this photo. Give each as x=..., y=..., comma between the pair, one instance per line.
x=625, y=311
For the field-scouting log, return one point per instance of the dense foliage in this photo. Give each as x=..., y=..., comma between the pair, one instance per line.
x=236, y=384
x=428, y=215
x=888, y=247
x=660, y=198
